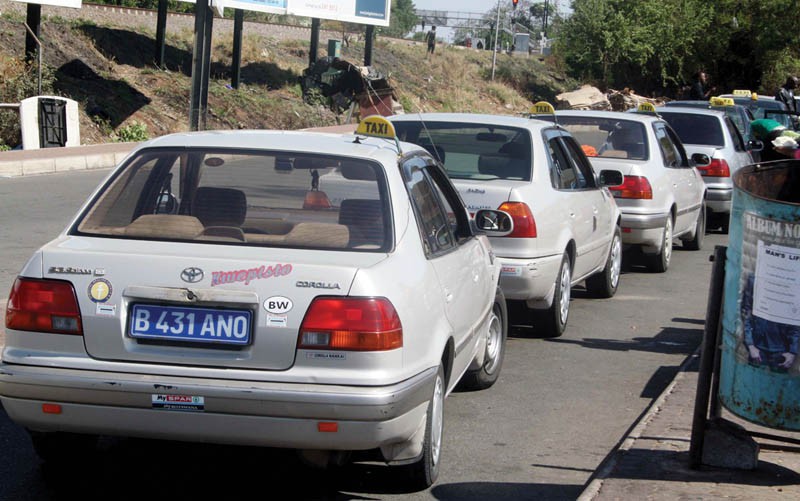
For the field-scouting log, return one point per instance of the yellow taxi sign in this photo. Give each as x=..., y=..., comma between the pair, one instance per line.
x=376, y=126
x=543, y=108
x=721, y=101
x=742, y=93
x=646, y=108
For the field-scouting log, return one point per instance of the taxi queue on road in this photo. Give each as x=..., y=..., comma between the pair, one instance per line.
x=326, y=292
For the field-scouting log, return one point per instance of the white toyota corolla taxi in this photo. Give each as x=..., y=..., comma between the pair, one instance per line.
x=566, y=224
x=210, y=291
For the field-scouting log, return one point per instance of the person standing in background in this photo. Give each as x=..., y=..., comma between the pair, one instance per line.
x=786, y=94
x=430, y=37
x=698, y=90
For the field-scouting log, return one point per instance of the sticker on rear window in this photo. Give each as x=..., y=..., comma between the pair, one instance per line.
x=178, y=402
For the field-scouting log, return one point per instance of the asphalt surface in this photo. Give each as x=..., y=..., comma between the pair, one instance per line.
x=560, y=408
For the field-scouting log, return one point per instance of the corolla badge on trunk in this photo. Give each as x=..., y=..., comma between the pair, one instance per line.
x=192, y=275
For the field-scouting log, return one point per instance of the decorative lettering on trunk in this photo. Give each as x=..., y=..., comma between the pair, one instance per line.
x=248, y=275
x=317, y=285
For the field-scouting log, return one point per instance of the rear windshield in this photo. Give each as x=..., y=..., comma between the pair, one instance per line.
x=696, y=129
x=607, y=137
x=273, y=199
x=473, y=151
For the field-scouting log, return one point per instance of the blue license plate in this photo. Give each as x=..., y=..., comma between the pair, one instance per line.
x=202, y=325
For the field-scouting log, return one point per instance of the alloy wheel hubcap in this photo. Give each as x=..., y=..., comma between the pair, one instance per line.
x=565, y=290
x=616, y=261
x=668, y=240
x=437, y=420
x=493, y=343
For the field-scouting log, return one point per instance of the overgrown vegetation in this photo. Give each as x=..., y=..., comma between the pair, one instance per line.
x=657, y=45
x=19, y=81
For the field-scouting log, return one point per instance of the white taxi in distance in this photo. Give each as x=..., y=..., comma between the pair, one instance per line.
x=209, y=291
x=566, y=224
x=663, y=195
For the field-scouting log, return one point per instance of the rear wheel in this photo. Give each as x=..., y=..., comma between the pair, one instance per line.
x=696, y=243
x=660, y=262
x=497, y=334
x=554, y=319
x=605, y=283
x=425, y=471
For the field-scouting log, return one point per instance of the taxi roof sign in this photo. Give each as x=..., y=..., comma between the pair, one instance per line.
x=647, y=108
x=721, y=101
x=543, y=108
x=378, y=126
x=742, y=93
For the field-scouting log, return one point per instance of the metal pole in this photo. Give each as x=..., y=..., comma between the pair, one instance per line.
x=496, y=30
x=206, y=69
x=312, y=53
x=544, y=19
x=368, y=45
x=238, y=23
x=33, y=23
x=198, y=59
x=38, y=57
x=161, y=32
x=707, y=355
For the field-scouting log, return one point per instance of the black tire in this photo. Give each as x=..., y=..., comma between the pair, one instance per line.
x=424, y=472
x=725, y=223
x=553, y=320
x=659, y=263
x=60, y=447
x=605, y=283
x=696, y=243
x=497, y=334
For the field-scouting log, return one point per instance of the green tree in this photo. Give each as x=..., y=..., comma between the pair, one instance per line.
x=402, y=20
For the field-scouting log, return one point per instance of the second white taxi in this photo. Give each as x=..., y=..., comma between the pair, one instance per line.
x=209, y=291
x=566, y=223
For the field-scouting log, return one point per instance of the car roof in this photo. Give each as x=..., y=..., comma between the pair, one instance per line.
x=620, y=115
x=700, y=104
x=688, y=110
x=473, y=118
x=295, y=141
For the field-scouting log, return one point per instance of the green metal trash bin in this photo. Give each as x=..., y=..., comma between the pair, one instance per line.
x=760, y=366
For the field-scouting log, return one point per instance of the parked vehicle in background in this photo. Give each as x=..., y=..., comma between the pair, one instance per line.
x=662, y=197
x=712, y=133
x=566, y=223
x=739, y=114
x=762, y=106
x=209, y=291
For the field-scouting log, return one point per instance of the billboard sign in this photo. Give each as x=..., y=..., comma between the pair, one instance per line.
x=352, y=11
x=74, y=4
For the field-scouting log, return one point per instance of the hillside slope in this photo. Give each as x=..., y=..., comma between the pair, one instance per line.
x=102, y=58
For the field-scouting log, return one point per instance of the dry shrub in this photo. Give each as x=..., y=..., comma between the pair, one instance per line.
x=19, y=81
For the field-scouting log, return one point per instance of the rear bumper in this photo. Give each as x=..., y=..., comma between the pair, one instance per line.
x=643, y=229
x=719, y=200
x=531, y=280
x=236, y=412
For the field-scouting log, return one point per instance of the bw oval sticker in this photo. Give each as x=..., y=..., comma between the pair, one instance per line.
x=278, y=305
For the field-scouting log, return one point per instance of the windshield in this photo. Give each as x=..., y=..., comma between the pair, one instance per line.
x=693, y=128
x=607, y=137
x=473, y=151
x=276, y=199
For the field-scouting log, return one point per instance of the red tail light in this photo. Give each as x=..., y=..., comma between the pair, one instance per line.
x=43, y=306
x=351, y=324
x=633, y=187
x=524, y=224
x=717, y=168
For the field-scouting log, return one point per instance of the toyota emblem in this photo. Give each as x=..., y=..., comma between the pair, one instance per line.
x=192, y=275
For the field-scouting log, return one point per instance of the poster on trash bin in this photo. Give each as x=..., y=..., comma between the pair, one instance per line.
x=769, y=294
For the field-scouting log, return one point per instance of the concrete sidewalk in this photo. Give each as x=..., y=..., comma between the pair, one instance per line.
x=653, y=461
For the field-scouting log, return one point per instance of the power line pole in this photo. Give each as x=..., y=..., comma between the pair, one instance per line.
x=496, y=30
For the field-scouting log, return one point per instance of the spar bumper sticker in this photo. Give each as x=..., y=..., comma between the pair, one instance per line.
x=178, y=402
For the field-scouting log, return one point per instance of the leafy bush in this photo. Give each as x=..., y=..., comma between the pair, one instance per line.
x=19, y=81
x=132, y=133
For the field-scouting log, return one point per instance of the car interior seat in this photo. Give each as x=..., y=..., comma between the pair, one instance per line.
x=364, y=220
x=220, y=206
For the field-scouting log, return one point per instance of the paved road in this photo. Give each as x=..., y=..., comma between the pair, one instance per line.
x=560, y=406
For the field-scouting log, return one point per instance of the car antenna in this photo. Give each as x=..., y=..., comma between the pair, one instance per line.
x=543, y=108
x=435, y=151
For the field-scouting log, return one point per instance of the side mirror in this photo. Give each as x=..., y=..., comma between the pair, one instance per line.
x=610, y=177
x=755, y=145
x=495, y=223
x=701, y=160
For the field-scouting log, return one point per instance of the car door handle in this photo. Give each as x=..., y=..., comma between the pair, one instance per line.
x=571, y=214
x=476, y=277
x=448, y=296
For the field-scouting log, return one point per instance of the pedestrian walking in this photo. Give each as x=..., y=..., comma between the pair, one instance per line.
x=430, y=37
x=698, y=90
